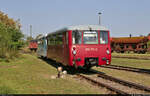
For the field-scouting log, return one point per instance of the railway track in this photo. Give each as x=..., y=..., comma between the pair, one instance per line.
x=137, y=70
x=102, y=84
x=115, y=85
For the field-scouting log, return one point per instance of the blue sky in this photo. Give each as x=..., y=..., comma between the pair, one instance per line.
x=122, y=17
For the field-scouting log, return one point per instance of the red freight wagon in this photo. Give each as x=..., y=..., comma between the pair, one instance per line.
x=33, y=45
x=82, y=45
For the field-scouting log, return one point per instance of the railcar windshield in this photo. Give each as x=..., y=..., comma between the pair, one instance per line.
x=90, y=37
x=76, y=37
x=103, y=37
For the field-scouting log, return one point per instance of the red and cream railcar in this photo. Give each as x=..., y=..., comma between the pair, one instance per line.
x=80, y=46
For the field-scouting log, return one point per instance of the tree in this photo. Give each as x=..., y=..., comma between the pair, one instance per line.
x=10, y=36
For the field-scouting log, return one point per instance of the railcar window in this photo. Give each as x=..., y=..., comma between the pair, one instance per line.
x=103, y=37
x=66, y=37
x=59, y=39
x=76, y=37
x=51, y=40
x=48, y=41
x=90, y=37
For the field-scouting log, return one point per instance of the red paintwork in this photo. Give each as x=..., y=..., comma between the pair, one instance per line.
x=63, y=53
x=149, y=37
x=33, y=45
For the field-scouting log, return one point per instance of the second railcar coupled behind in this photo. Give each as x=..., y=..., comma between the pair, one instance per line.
x=80, y=46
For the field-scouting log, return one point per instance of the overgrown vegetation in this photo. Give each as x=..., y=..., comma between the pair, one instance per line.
x=10, y=37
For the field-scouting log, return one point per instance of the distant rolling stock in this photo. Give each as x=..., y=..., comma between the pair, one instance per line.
x=128, y=44
x=33, y=45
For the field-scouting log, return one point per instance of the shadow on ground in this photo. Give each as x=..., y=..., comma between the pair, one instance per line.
x=70, y=70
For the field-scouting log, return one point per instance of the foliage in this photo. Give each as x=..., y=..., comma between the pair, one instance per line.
x=10, y=37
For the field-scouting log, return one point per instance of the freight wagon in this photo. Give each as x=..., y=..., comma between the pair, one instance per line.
x=129, y=44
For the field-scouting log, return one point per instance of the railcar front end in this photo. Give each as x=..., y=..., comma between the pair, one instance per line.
x=90, y=48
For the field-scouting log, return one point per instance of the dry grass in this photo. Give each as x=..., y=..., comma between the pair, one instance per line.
x=30, y=75
x=137, y=63
x=130, y=55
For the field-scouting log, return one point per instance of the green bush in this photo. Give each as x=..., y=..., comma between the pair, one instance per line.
x=10, y=41
x=10, y=37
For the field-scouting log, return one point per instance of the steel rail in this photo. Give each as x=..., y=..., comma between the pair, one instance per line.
x=137, y=70
x=103, y=85
x=126, y=83
x=125, y=67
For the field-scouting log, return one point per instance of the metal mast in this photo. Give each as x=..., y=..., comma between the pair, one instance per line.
x=99, y=18
x=30, y=30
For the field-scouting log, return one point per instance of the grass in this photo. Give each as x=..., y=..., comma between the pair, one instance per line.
x=137, y=63
x=30, y=75
x=129, y=76
x=130, y=54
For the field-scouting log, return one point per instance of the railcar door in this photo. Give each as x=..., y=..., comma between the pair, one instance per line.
x=44, y=47
x=65, y=48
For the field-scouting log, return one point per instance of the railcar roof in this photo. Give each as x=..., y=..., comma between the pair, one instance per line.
x=81, y=27
x=87, y=27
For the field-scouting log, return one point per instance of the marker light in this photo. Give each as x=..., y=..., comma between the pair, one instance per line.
x=107, y=61
x=107, y=51
x=74, y=52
